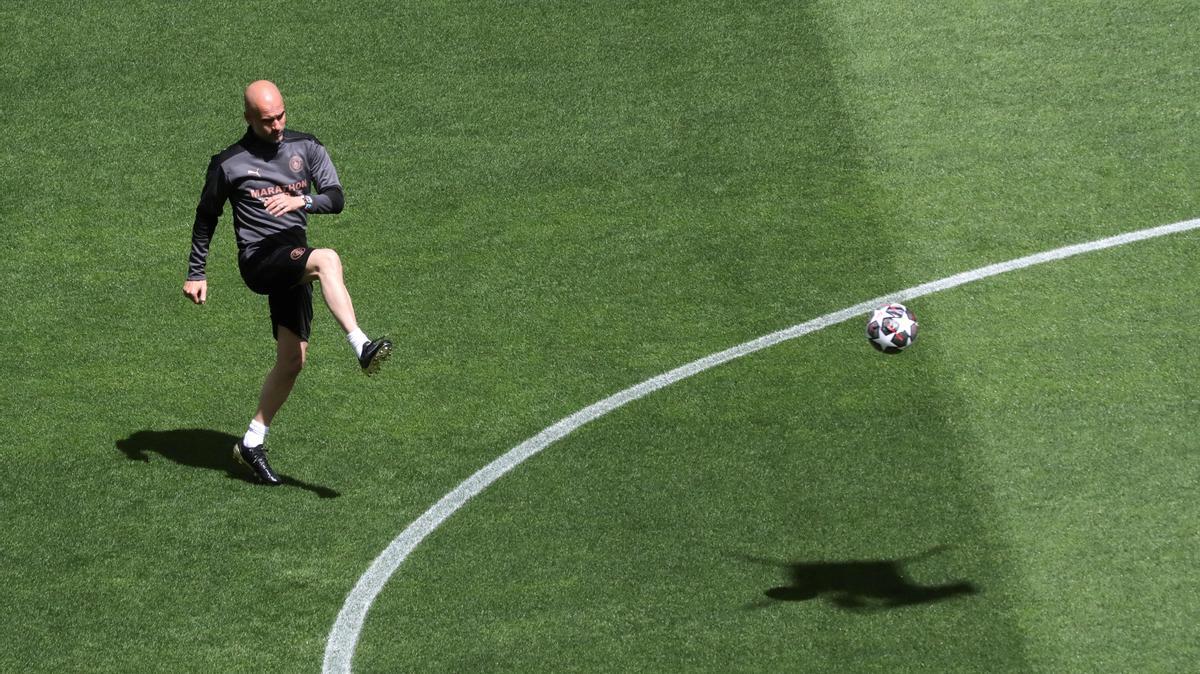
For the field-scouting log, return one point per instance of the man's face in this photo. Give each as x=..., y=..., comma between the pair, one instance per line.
x=268, y=121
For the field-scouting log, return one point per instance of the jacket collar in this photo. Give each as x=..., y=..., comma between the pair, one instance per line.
x=252, y=142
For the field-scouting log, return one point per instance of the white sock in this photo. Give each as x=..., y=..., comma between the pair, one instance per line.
x=255, y=435
x=358, y=339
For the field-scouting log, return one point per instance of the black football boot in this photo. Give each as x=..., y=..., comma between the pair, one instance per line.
x=374, y=353
x=256, y=459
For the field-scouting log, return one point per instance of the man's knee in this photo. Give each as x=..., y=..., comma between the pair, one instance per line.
x=291, y=352
x=290, y=363
x=325, y=261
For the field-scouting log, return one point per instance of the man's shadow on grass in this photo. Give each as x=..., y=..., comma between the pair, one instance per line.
x=202, y=448
x=859, y=585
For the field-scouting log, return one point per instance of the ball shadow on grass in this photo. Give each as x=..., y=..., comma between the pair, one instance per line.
x=860, y=585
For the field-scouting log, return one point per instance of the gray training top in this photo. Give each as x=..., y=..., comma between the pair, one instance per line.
x=248, y=172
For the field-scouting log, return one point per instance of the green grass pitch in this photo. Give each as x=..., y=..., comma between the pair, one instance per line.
x=548, y=202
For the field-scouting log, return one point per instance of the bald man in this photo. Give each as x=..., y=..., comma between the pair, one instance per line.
x=269, y=177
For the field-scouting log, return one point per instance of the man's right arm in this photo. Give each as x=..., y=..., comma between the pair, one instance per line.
x=208, y=211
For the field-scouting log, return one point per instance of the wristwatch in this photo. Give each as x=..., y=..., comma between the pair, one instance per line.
x=308, y=202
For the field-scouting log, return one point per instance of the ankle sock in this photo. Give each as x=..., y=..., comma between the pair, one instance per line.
x=255, y=435
x=358, y=339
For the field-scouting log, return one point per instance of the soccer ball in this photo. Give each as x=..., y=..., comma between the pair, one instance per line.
x=892, y=328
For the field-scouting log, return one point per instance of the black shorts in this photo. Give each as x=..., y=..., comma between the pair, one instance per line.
x=276, y=273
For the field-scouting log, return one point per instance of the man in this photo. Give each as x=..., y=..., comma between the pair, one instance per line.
x=267, y=176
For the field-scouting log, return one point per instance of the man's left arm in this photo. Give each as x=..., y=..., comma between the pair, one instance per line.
x=329, y=197
x=328, y=200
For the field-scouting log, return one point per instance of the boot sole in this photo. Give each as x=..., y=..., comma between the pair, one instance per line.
x=381, y=355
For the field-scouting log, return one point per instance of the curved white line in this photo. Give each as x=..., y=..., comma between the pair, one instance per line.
x=343, y=638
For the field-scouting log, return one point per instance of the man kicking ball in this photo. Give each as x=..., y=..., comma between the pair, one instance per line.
x=268, y=176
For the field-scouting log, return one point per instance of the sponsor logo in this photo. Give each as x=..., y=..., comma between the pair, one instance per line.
x=253, y=172
x=296, y=163
x=297, y=253
x=298, y=187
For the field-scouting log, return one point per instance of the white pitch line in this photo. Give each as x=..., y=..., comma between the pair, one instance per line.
x=343, y=638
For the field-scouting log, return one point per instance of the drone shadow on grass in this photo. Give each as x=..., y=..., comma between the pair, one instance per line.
x=201, y=448
x=859, y=585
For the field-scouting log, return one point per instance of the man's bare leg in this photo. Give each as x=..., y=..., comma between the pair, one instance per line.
x=290, y=354
x=325, y=267
x=251, y=450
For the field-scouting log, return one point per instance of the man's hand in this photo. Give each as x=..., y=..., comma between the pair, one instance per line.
x=196, y=291
x=278, y=204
